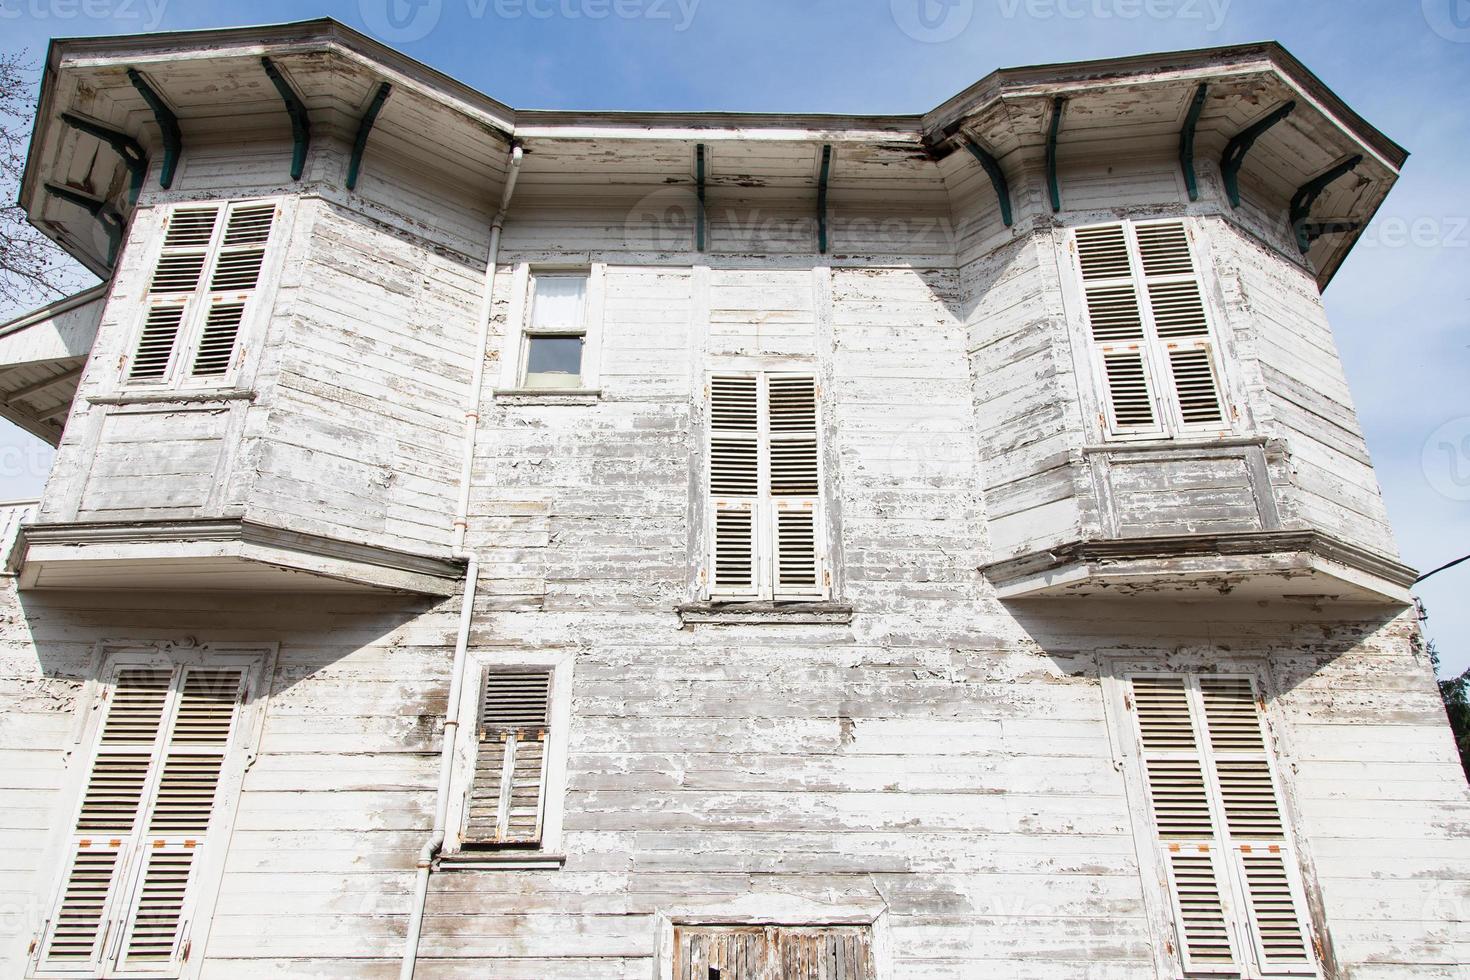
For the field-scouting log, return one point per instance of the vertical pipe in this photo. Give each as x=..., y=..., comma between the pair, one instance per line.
x=431, y=848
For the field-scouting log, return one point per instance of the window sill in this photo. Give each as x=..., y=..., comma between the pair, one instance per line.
x=764, y=613
x=473, y=860
x=548, y=396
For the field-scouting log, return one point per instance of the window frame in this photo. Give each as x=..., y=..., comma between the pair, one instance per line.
x=257, y=662
x=1125, y=739
x=258, y=303
x=1169, y=424
x=515, y=359
x=554, y=775
x=764, y=505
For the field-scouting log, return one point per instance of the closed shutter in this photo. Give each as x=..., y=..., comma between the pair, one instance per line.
x=1116, y=320
x=209, y=267
x=765, y=487
x=1150, y=332
x=795, y=486
x=1258, y=846
x=508, y=795
x=763, y=953
x=143, y=820
x=1219, y=824
x=735, y=483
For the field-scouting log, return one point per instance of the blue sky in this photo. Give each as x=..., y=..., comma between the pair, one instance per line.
x=1401, y=304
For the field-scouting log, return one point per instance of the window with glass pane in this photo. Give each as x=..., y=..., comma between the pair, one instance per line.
x=556, y=331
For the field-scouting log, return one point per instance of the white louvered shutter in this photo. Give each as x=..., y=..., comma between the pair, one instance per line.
x=1175, y=770
x=734, y=484
x=143, y=820
x=795, y=486
x=208, y=269
x=1115, y=319
x=765, y=488
x=1221, y=832
x=508, y=796
x=1264, y=866
x=1176, y=308
x=1151, y=335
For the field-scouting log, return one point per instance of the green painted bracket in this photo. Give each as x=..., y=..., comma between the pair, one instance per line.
x=699, y=165
x=300, y=121
x=997, y=176
x=1186, y=141
x=168, y=126
x=1240, y=144
x=131, y=151
x=109, y=218
x=1314, y=230
x=822, y=181
x=1306, y=196
x=364, y=129
x=1052, y=187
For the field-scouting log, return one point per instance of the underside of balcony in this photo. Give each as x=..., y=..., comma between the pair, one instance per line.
x=217, y=555
x=1304, y=566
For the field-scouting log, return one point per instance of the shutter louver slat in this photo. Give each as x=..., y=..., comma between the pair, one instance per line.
x=733, y=403
x=734, y=564
x=1102, y=251
x=1180, y=801
x=1194, y=386
x=1278, y=933
x=797, y=573
x=1113, y=314
x=1128, y=389
x=514, y=718
x=207, y=706
x=249, y=225
x=1179, y=310
x=1164, y=249
x=156, y=345
x=114, y=793
x=1231, y=715
x=734, y=466
x=186, y=794
x=190, y=227
x=159, y=913
x=77, y=931
x=178, y=273
x=1205, y=937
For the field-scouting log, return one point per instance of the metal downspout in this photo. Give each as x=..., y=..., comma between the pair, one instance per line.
x=471, y=581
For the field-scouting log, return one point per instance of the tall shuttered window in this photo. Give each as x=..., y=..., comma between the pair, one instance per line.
x=765, y=484
x=762, y=952
x=200, y=293
x=507, y=802
x=1153, y=349
x=1234, y=883
x=144, y=826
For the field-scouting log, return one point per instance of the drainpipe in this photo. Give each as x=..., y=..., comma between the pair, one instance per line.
x=471, y=581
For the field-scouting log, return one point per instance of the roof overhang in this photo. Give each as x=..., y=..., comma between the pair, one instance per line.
x=214, y=83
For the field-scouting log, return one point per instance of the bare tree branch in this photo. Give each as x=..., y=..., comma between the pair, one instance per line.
x=32, y=269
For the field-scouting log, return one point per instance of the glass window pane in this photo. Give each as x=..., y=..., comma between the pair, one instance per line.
x=558, y=301
x=554, y=362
